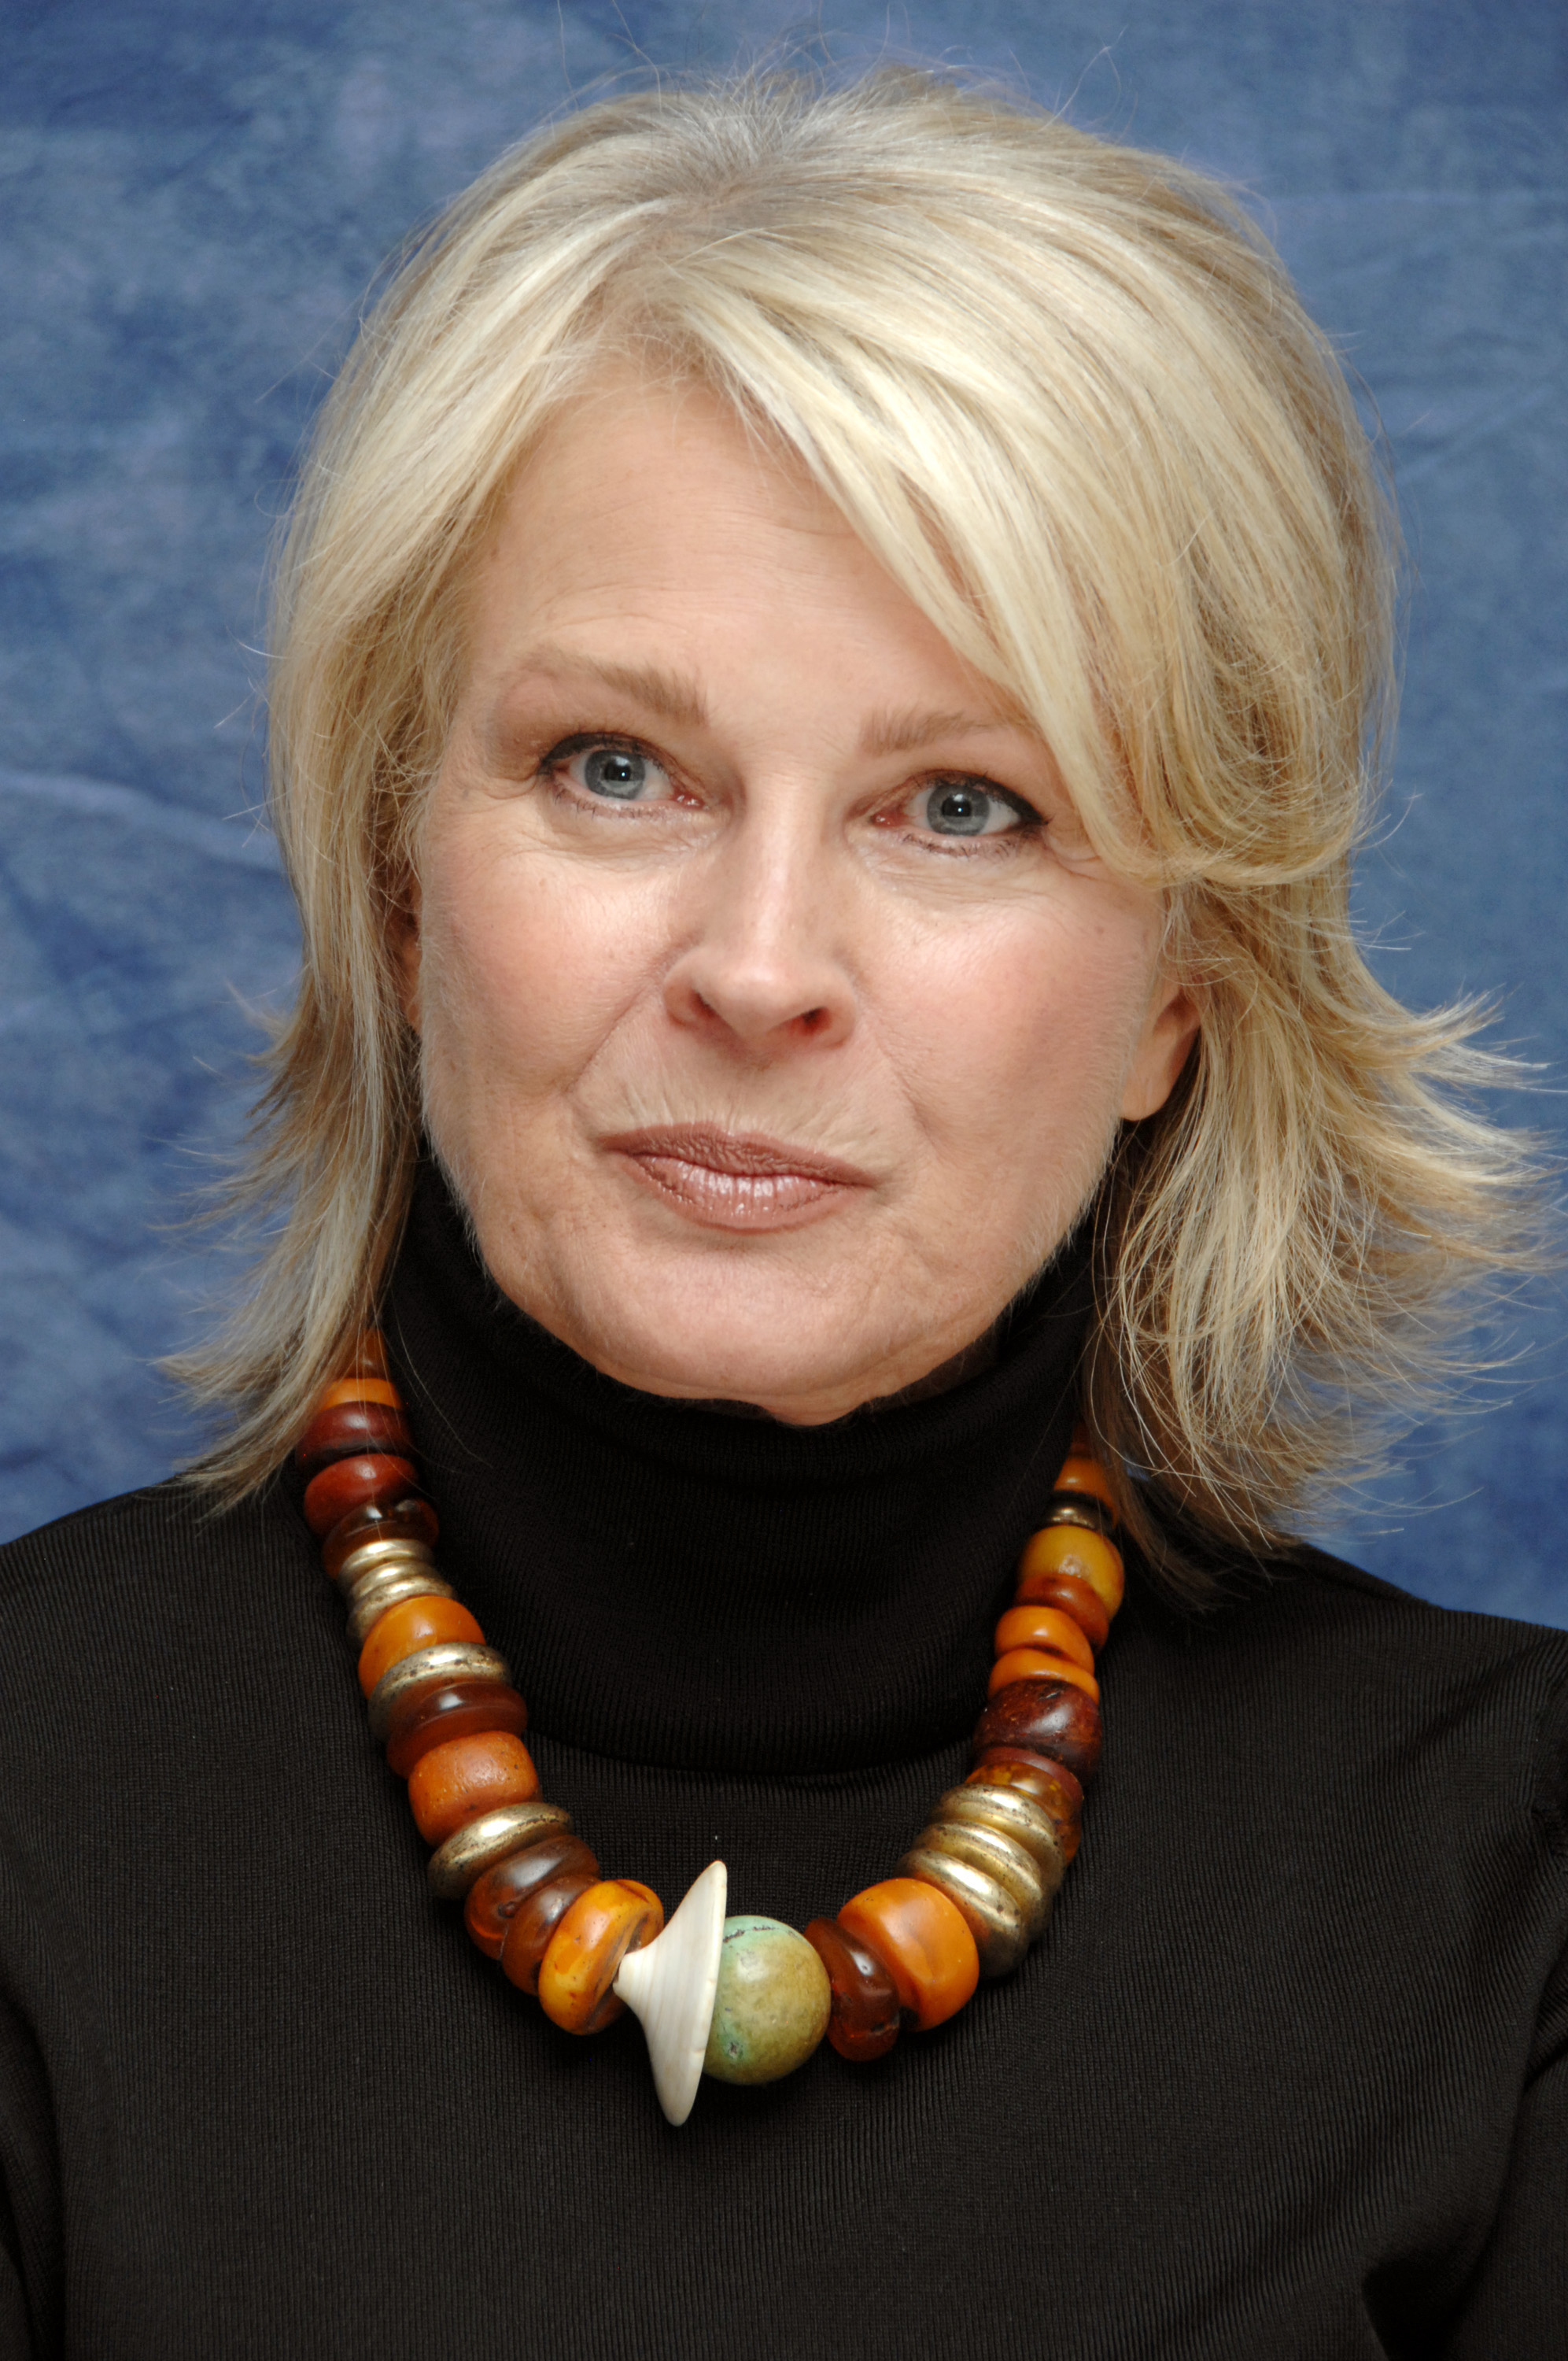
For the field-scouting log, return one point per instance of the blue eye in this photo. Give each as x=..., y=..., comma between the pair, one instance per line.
x=963, y=807
x=615, y=771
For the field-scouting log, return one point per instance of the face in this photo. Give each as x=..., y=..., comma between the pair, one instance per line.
x=777, y=1016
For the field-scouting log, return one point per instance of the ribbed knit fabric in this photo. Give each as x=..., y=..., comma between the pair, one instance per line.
x=1287, y=2076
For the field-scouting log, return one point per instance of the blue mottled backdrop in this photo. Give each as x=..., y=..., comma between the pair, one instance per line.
x=193, y=198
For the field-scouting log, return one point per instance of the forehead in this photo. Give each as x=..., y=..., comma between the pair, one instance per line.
x=649, y=521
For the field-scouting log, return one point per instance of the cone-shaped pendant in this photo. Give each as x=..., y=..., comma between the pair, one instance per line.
x=671, y=1983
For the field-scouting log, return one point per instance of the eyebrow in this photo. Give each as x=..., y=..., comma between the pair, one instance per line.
x=672, y=696
x=675, y=696
x=908, y=732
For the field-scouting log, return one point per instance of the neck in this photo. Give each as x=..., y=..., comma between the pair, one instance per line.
x=679, y=1584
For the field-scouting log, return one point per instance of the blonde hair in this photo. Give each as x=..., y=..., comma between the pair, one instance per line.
x=1065, y=390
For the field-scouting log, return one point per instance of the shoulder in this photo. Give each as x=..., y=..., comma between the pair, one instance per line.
x=136, y=1578
x=1317, y=1660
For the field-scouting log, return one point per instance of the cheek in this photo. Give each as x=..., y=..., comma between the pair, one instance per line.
x=523, y=973
x=1025, y=1042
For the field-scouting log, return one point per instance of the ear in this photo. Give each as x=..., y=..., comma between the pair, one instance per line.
x=404, y=943
x=1169, y=1030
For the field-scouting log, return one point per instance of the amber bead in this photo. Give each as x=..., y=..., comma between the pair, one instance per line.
x=1039, y=1665
x=359, y=1390
x=583, y=1955
x=495, y=1899
x=411, y=1520
x=864, y=2023
x=1078, y=1474
x=362, y=1482
x=1059, y=1797
x=1033, y=1626
x=1065, y=1549
x=352, y=1427
x=456, y=1710
x=922, y=1940
x=467, y=1775
x=412, y=1624
x=1072, y=1596
x=534, y=1922
x=1050, y=1716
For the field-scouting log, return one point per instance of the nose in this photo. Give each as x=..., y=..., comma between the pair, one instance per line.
x=760, y=968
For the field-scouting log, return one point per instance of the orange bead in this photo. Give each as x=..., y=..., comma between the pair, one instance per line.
x=1067, y=1549
x=923, y=1943
x=413, y=1624
x=359, y=1390
x=1083, y=1475
x=585, y=1951
x=1038, y=1663
x=452, y=1783
x=1044, y=1627
x=1072, y=1595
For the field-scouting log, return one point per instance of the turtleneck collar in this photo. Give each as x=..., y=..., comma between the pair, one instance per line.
x=676, y=1585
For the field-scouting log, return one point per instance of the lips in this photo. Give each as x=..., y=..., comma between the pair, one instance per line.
x=736, y=1180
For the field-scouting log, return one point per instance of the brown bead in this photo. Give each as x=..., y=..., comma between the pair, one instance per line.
x=1032, y=1771
x=359, y=1390
x=1050, y=1718
x=411, y=1520
x=534, y=1922
x=408, y=1628
x=429, y=1717
x=352, y=1427
x=456, y=1780
x=1049, y=1785
x=359, y=1483
x=864, y=2023
x=495, y=1899
x=370, y=1356
x=1045, y=1587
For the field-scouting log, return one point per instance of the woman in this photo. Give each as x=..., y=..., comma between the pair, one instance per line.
x=827, y=667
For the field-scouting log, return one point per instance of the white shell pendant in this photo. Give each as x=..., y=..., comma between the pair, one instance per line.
x=671, y=1985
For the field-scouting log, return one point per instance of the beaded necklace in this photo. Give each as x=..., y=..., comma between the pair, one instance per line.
x=743, y=1999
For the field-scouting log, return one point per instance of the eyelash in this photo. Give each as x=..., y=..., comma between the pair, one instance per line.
x=1031, y=823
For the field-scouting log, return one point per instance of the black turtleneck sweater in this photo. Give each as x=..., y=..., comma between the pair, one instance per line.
x=1287, y=2076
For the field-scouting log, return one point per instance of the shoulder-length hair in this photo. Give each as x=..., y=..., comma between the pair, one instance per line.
x=1066, y=392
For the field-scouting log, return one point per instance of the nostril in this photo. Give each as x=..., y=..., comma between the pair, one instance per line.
x=813, y=1020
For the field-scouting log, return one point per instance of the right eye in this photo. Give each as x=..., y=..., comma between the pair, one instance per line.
x=614, y=772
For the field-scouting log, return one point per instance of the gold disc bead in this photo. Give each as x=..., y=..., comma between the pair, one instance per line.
x=998, y=1927
x=480, y=1843
x=446, y=1660
x=370, y=1557
x=1000, y=1858
x=1090, y=1516
x=389, y=1585
x=1009, y=1812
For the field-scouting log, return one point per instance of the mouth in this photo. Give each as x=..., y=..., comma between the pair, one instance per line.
x=735, y=1180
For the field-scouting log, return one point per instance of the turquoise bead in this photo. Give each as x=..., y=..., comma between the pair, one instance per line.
x=773, y=2004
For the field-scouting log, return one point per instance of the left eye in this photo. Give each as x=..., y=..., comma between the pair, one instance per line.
x=620, y=774
x=964, y=808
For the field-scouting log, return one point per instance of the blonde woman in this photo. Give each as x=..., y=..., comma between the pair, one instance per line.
x=828, y=667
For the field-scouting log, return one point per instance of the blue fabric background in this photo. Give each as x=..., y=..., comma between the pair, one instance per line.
x=195, y=197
